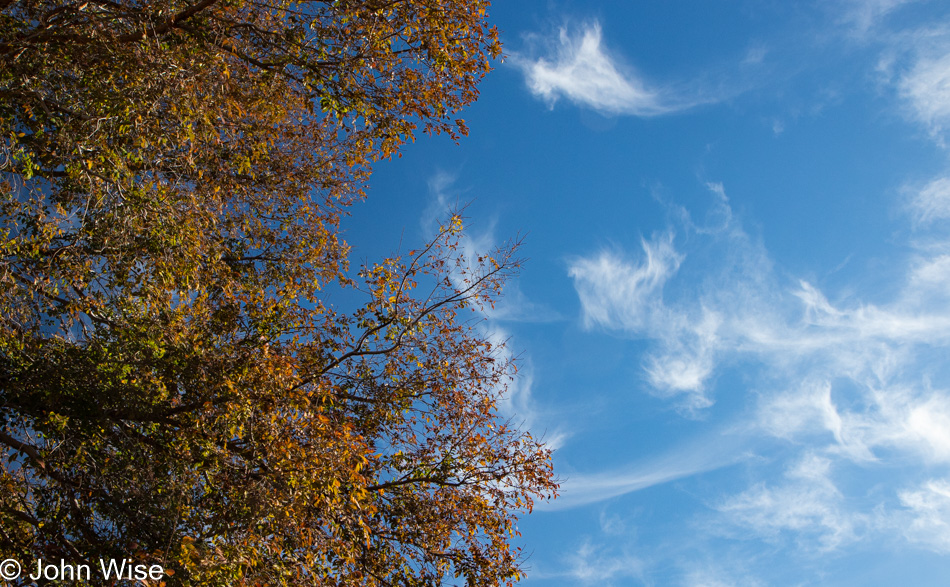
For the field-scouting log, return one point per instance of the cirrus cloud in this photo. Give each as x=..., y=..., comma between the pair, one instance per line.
x=578, y=67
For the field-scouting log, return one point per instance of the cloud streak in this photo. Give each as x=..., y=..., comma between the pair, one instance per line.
x=709, y=454
x=865, y=15
x=926, y=87
x=578, y=67
x=516, y=402
x=620, y=294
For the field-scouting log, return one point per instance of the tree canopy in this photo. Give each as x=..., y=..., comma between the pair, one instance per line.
x=173, y=384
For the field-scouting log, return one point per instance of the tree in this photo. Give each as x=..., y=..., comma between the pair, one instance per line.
x=173, y=385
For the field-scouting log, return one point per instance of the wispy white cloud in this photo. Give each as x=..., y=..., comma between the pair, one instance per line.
x=914, y=61
x=593, y=564
x=686, y=360
x=927, y=427
x=512, y=305
x=711, y=574
x=912, y=50
x=626, y=295
x=739, y=309
x=926, y=87
x=620, y=294
x=932, y=202
x=848, y=382
x=865, y=424
x=701, y=456
x=607, y=557
x=516, y=402
x=929, y=510
x=865, y=15
x=579, y=68
x=806, y=504
x=809, y=409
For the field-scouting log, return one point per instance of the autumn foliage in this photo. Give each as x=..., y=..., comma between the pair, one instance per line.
x=173, y=384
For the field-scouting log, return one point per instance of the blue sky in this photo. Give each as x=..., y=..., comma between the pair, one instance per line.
x=735, y=318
